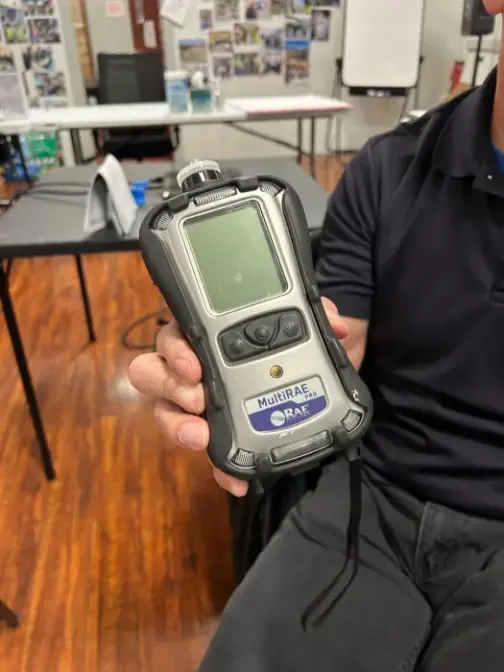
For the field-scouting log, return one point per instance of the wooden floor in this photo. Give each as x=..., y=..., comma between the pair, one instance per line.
x=124, y=562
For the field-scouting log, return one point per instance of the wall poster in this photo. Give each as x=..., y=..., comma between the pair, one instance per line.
x=34, y=36
x=242, y=38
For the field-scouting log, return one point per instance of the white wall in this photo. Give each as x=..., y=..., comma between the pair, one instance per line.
x=109, y=35
x=442, y=45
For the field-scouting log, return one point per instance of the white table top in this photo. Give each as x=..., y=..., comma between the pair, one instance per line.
x=272, y=107
x=158, y=114
x=109, y=116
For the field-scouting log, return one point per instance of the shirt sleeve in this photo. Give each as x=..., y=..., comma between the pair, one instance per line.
x=345, y=259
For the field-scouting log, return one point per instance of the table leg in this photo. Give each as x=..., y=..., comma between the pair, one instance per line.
x=24, y=372
x=85, y=299
x=76, y=146
x=299, y=140
x=312, y=146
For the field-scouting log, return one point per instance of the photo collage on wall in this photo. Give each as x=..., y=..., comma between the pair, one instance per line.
x=239, y=38
x=31, y=47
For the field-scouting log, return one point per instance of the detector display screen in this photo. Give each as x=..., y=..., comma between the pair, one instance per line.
x=235, y=258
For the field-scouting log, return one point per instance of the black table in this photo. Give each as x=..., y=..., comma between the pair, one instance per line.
x=47, y=225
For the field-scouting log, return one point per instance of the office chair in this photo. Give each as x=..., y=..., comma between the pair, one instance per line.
x=134, y=78
x=256, y=517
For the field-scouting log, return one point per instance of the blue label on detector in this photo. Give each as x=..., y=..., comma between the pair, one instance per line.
x=287, y=406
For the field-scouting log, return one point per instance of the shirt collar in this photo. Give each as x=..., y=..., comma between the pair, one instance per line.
x=464, y=147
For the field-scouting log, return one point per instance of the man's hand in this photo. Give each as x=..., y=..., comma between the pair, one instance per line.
x=172, y=376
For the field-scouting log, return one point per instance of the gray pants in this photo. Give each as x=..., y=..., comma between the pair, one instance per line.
x=429, y=595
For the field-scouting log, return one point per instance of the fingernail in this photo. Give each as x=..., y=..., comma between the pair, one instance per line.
x=191, y=436
x=186, y=396
x=183, y=367
x=238, y=490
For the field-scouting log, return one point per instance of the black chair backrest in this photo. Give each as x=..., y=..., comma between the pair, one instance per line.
x=131, y=78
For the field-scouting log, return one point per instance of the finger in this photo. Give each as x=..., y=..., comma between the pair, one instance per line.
x=151, y=375
x=338, y=324
x=171, y=344
x=181, y=428
x=230, y=483
x=192, y=432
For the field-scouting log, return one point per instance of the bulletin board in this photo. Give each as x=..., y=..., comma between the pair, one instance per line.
x=32, y=51
x=381, y=43
x=248, y=43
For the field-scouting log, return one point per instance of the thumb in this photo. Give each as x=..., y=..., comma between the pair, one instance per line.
x=338, y=324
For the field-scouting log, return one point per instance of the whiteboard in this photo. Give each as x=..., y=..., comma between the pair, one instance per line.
x=381, y=43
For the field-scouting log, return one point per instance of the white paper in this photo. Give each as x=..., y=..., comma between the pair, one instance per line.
x=119, y=191
x=110, y=199
x=114, y=9
x=13, y=103
x=95, y=217
x=113, y=216
x=149, y=34
x=12, y=4
x=175, y=11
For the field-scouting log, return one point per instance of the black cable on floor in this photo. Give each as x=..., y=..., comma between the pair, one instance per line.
x=159, y=315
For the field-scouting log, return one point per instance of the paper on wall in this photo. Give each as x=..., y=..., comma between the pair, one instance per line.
x=297, y=58
x=7, y=62
x=149, y=34
x=220, y=41
x=321, y=25
x=193, y=54
x=12, y=4
x=114, y=9
x=247, y=63
x=222, y=66
x=257, y=9
x=301, y=6
x=14, y=25
x=227, y=10
x=139, y=11
x=278, y=7
x=13, y=103
x=205, y=19
x=298, y=30
x=175, y=11
x=247, y=34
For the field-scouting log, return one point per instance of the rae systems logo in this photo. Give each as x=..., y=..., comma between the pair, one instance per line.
x=289, y=415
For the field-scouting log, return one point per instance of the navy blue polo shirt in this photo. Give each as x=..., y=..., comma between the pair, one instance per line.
x=413, y=241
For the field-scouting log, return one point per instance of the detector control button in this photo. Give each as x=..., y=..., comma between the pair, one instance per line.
x=236, y=347
x=290, y=330
x=262, y=330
